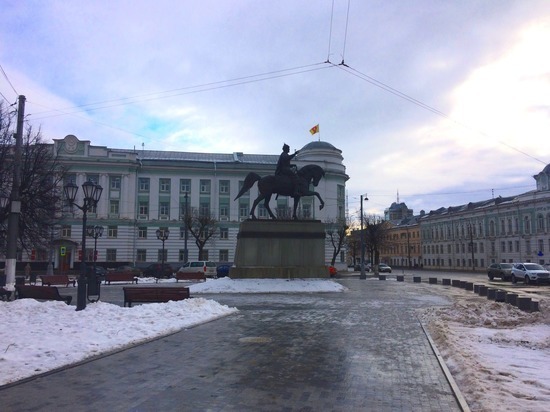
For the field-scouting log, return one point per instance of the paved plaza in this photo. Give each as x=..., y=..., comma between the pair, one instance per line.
x=361, y=350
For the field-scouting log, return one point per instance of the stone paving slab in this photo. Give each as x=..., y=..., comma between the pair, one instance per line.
x=361, y=350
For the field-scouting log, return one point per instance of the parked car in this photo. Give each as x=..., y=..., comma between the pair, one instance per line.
x=209, y=268
x=156, y=270
x=500, y=270
x=223, y=270
x=128, y=268
x=382, y=267
x=530, y=273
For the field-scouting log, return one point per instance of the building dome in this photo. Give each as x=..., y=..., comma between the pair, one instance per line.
x=319, y=145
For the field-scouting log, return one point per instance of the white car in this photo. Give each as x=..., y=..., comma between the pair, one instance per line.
x=530, y=273
x=207, y=267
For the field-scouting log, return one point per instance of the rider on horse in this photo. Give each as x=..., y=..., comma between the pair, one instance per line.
x=284, y=168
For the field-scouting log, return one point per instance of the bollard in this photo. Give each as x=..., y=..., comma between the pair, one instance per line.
x=500, y=296
x=446, y=282
x=400, y=278
x=417, y=279
x=483, y=290
x=491, y=293
x=524, y=303
x=432, y=281
x=535, y=306
x=462, y=284
x=512, y=299
x=455, y=283
x=381, y=277
x=469, y=286
x=476, y=289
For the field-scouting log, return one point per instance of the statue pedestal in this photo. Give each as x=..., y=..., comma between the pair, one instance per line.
x=280, y=249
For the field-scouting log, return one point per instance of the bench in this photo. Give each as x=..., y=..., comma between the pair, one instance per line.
x=57, y=280
x=120, y=277
x=153, y=294
x=41, y=293
x=198, y=276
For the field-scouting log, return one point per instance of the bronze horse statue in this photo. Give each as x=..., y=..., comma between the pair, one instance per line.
x=284, y=186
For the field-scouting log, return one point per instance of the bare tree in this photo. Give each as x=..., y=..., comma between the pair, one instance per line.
x=376, y=237
x=336, y=230
x=202, y=226
x=39, y=192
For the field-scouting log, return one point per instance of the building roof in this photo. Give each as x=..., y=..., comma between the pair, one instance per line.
x=320, y=145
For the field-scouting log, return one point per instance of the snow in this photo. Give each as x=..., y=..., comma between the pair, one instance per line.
x=498, y=354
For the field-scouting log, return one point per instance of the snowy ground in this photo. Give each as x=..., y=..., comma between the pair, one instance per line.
x=498, y=355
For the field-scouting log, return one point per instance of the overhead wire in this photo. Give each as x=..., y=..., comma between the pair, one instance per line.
x=9, y=82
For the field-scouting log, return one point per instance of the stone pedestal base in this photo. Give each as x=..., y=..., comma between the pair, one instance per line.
x=280, y=249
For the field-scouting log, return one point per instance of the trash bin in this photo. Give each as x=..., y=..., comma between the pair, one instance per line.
x=94, y=286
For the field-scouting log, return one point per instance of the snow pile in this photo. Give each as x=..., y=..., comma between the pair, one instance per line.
x=497, y=354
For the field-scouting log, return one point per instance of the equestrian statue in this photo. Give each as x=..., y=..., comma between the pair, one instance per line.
x=288, y=180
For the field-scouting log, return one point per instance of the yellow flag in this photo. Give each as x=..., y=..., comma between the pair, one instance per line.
x=314, y=129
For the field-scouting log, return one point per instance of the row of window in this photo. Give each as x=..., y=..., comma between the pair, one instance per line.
x=511, y=246
x=507, y=226
x=165, y=185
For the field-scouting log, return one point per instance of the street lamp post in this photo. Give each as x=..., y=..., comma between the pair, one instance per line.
x=95, y=232
x=92, y=194
x=363, y=274
x=162, y=235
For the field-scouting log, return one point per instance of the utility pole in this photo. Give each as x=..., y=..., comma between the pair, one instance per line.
x=15, y=199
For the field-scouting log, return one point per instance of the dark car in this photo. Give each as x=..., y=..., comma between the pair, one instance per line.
x=129, y=269
x=223, y=270
x=500, y=270
x=157, y=270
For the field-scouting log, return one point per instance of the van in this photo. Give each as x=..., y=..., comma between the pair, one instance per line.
x=207, y=267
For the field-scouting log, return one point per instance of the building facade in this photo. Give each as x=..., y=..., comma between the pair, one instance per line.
x=146, y=190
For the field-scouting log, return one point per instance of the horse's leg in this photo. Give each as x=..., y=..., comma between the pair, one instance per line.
x=311, y=193
x=258, y=200
x=296, y=201
x=266, y=204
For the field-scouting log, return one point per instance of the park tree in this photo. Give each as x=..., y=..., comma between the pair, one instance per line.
x=40, y=189
x=337, y=231
x=376, y=237
x=203, y=226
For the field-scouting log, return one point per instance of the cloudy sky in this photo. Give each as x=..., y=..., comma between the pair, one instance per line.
x=443, y=102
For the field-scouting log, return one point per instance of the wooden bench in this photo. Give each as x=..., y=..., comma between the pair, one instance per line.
x=120, y=277
x=57, y=280
x=153, y=294
x=198, y=276
x=41, y=293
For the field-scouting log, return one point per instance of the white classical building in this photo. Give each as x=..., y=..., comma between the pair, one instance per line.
x=146, y=190
x=474, y=235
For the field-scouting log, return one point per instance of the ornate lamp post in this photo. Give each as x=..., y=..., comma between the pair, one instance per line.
x=162, y=235
x=362, y=275
x=92, y=194
x=95, y=232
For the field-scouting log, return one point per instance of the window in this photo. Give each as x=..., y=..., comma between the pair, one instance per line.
x=113, y=207
x=204, y=207
x=517, y=245
x=112, y=231
x=144, y=208
x=509, y=226
x=66, y=231
x=224, y=233
x=92, y=178
x=491, y=228
x=224, y=255
x=510, y=246
x=182, y=232
x=541, y=245
x=527, y=225
x=142, y=233
x=502, y=227
x=540, y=223
x=164, y=209
x=143, y=184
x=164, y=185
x=503, y=246
x=224, y=209
x=205, y=186
x=111, y=255
x=141, y=255
x=185, y=185
x=224, y=187
x=162, y=255
x=114, y=182
x=528, y=246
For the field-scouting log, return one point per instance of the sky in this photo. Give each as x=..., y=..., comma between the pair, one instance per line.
x=512, y=346
x=432, y=103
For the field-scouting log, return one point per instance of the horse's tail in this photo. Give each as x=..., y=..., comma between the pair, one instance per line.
x=249, y=181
